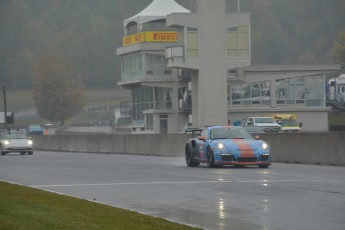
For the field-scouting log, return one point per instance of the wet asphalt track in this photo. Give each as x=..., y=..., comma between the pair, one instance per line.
x=284, y=196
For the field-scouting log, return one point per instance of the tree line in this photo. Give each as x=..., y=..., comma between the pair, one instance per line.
x=88, y=33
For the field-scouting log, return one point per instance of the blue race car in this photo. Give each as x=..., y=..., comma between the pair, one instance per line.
x=34, y=130
x=225, y=145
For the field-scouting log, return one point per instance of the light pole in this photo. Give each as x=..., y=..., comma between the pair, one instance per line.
x=5, y=106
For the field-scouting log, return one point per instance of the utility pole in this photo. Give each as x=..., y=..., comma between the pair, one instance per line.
x=5, y=105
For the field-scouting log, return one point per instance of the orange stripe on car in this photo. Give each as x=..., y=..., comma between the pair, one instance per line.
x=245, y=149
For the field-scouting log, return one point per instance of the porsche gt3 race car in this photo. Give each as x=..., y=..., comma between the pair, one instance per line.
x=225, y=145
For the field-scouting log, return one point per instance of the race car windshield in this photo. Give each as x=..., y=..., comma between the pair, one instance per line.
x=13, y=136
x=35, y=127
x=228, y=133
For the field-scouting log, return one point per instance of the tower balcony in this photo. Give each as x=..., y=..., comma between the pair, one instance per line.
x=176, y=58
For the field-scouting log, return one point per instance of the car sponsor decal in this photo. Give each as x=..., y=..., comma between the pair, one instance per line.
x=201, y=150
x=245, y=149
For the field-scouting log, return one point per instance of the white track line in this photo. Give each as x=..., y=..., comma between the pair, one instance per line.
x=174, y=182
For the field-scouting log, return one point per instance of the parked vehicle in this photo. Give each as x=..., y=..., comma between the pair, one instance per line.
x=15, y=141
x=288, y=122
x=290, y=125
x=225, y=145
x=267, y=123
x=34, y=130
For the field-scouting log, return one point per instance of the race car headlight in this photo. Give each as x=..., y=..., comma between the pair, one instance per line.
x=6, y=142
x=264, y=145
x=30, y=142
x=220, y=146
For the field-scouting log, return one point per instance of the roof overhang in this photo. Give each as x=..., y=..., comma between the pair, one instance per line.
x=157, y=10
x=255, y=73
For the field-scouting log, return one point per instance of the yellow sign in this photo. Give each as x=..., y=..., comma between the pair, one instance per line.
x=150, y=36
x=132, y=39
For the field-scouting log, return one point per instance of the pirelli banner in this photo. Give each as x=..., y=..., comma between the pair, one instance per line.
x=150, y=36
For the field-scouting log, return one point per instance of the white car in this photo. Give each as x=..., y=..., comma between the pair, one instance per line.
x=15, y=141
x=267, y=123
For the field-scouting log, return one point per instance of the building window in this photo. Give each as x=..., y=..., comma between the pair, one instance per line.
x=260, y=93
x=231, y=73
x=180, y=36
x=192, y=42
x=158, y=25
x=145, y=98
x=290, y=91
x=250, y=94
x=281, y=92
x=238, y=41
x=156, y=65
x=142, y=99
x=163, y=123
x=163, y=98
x=131, y=63
x=307, y=91
x=131, y=66
x=315, y=93
x=149, y=121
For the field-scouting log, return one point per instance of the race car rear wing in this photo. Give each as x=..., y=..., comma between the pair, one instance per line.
x=194, y=131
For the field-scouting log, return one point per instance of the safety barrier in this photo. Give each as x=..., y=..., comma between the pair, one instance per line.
x=325, y=148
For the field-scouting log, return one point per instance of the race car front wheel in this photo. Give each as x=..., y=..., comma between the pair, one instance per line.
x=210, y=159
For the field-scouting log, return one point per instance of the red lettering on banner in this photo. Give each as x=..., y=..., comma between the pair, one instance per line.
x=138, y=37
x=128, y=40
x=165, y=36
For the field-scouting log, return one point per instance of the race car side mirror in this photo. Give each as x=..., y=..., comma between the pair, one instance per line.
x=202, y=138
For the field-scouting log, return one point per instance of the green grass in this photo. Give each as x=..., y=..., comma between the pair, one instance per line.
x=27, y=208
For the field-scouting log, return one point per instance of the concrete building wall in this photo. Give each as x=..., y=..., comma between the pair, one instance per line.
x=211, y=81
x=314, y=121
x=209, y=84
